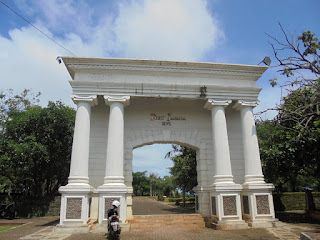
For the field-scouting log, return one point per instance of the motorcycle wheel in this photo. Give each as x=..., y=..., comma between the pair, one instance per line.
x=111, y=235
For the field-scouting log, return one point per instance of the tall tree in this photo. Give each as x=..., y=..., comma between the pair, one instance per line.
x=299, y=60
x=140, y=183
x=35, y=149
x=12, y=103
x=184, y=170
x=290, y=143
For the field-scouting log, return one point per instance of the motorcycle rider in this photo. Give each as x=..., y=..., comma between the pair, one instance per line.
x=113, y=211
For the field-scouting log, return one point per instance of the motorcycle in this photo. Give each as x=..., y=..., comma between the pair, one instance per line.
x=7, y=210
x=114, y=228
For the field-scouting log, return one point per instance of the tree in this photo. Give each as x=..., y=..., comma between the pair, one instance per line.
x=140, y=183
x=35, y=146
x=290, y=143
x=288, y=161
x=184, y=170
x=168, y=186
x=11, y=103
x=299, y=61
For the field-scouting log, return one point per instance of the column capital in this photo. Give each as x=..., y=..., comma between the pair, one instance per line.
x=212, y=103
x=125, y=100
x=240, y=104
x=92, y=100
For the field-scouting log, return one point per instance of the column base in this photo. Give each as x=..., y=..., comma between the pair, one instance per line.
x=223, y=180
x=114, y=180
x=264, y=223
x=78, y=180
x=226, y=225
x=72, y=228
x=257, y=205
x=74, y=210
x=107, y=194
x=225, y=203
x=254, y=179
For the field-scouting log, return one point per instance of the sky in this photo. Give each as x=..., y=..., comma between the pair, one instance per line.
x=218, y=31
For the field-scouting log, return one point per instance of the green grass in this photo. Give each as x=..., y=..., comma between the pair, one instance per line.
x=6, y=227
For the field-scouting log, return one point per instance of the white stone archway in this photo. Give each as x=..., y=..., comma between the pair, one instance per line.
x=123, y=104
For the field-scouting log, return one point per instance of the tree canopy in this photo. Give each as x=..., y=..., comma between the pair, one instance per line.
x=35, y=149
x=152, y=185
x=290, y=143
x=299, y=60
x=184, y=170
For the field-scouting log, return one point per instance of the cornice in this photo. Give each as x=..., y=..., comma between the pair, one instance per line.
x=164, y=69
x=106, y=64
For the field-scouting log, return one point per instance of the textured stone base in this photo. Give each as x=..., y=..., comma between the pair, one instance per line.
x=264, y=223
x=72, y=228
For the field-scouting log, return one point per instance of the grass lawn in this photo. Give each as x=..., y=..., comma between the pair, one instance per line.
x=6, y=227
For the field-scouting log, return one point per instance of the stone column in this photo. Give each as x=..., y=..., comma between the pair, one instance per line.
x=74, y=211
x=115, y=146
x=224, y=193
x=253, y=170
x=80, y=147
x=257, y=201
x=222, y=164
x=114, y=187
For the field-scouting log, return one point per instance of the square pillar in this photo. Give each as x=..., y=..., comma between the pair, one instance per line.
x=105, y=202
x=74, y=210
x=257, y=206
x=225, y=205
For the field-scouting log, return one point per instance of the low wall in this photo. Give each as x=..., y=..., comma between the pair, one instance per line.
x=294, y=201
x=54, y=208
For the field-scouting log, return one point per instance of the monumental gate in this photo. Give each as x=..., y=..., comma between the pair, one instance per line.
x=123, y=104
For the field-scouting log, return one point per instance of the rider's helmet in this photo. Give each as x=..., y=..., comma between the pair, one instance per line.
x=116, y=203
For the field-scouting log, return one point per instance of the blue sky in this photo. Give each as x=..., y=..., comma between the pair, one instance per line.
x=227, y=31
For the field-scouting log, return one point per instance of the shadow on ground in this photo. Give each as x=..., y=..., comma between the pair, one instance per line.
x=296, y=217
x=52, y=223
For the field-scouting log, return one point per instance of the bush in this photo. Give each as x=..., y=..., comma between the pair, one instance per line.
x=188, y=199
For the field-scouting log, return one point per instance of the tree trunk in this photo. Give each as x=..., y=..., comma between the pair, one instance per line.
x=184, y=196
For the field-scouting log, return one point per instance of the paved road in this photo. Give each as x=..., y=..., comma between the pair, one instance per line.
x=41, y=229
x=147, y=206
x=30, y=225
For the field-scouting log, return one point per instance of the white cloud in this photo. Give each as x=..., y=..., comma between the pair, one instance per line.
x=29, y=61
x=163, y=29
x=166, y=29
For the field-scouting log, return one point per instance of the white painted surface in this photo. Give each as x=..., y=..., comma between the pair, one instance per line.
x=253, y=169
x=80, y=147
x=167, y=101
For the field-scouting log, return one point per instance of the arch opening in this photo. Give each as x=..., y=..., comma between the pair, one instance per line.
x=165, y=172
